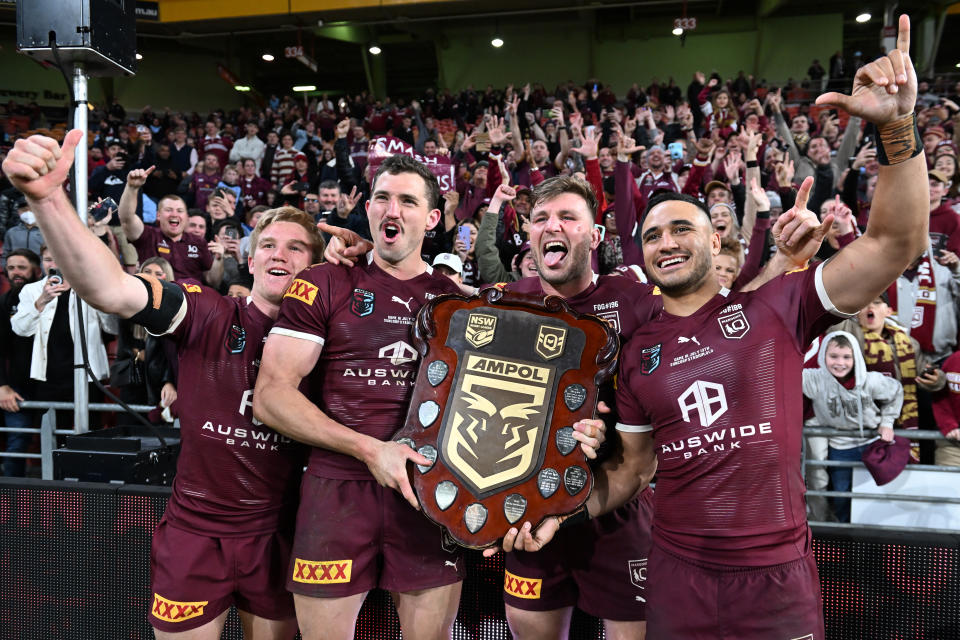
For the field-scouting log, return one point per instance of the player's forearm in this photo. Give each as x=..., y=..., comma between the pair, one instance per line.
x=900, y=214
x=617, y=481
x=285, y=409
x=127, y=211
x=214, y=275
x=87, y=264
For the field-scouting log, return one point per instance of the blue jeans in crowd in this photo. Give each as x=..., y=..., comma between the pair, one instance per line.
x=16, y=442
x=842, y=478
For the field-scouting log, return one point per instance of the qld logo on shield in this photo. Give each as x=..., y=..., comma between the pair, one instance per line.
x=550, y=341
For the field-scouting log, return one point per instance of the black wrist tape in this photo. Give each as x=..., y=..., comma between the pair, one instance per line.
x=164, y=301
x=579, y=516
x=899, y=140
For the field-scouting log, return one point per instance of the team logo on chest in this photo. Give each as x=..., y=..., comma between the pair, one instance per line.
x=236, y=339
x=361, y=304
x=650, y=359
x=734, y=325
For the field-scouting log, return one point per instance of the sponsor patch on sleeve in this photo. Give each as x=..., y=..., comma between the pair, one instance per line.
x=302, y=290
x=173, y=611
x=192, y=288
x=327, y=572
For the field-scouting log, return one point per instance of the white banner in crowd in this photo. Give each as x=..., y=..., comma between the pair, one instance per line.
x=385, y=146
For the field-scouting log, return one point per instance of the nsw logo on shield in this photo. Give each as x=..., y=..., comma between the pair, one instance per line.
x=361, y=304
x=480, y=329
x=550, y=341
x=734, y=325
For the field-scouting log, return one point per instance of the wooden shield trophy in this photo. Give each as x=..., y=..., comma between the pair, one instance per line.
x=502, y=379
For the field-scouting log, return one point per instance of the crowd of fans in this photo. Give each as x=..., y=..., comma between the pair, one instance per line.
x=177, y=194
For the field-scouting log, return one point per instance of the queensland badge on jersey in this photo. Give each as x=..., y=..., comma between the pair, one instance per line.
x=236, y=339
x=650, y=359
x=361, y=303
x=504, y=378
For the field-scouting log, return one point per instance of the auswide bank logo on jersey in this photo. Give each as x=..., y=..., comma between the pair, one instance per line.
x=707, y=398
x=398, y=353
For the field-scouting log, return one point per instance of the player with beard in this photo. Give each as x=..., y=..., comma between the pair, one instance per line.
x=598, y=566
x=346, y=333
x=732, y=549
x=16, y=353
x=225, y=536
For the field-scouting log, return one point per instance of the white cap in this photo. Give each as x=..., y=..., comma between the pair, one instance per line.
x=450, y=261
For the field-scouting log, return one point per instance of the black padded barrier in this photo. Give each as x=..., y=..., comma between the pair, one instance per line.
x=74, y=565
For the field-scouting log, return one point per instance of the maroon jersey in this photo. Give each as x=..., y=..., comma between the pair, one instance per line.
x=720, y=390
x=364, y=377
x=648, y=183
x=235, y=476
x=624, y=303
x=189, y=256
x=217, y=145
x=254, y=190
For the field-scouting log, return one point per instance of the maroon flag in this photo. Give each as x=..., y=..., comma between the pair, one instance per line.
x=385, y=146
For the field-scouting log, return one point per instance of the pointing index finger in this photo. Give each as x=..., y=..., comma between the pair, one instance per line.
x=903, y=34
x=803, y=194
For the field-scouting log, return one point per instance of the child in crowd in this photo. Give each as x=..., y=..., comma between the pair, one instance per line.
x=846, y=396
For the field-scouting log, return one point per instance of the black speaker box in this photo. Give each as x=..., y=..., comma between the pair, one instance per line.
x=100, y=33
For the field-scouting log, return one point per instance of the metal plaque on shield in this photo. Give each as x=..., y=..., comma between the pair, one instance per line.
x=504, y=376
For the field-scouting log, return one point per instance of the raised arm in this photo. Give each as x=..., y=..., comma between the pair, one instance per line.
x=38, y=167
x=127, y=208
x=884, y=93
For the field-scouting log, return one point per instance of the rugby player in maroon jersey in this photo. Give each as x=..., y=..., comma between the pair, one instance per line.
x=346, y=333
x=225, y=537
x=712, y=388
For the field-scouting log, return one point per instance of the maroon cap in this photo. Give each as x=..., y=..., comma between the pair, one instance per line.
x=935, y=130
x=885, y=460
x=300, y=156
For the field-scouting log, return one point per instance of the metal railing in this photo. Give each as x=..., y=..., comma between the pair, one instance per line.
x=911, y=434
x=48, y=430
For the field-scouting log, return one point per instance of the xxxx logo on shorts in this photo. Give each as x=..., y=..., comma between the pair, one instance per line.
x=521, y=587
x=330, y=572
x=302, y=291
x=172, y=611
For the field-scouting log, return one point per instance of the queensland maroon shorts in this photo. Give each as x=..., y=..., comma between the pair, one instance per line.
x=693, y=602
x=354, y=535
x=600, y=566
x=195, y=578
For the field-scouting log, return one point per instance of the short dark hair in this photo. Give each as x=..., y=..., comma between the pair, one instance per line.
x=33, y=258
x=395, y=165
x=668, y=196
x=840, y=341
x=556, y=186
x=329, y=184
x=228, y=222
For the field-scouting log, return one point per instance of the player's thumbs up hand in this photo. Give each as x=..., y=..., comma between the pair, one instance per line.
x=38, y=165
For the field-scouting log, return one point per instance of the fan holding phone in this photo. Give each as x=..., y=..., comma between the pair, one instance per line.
x=465, y=247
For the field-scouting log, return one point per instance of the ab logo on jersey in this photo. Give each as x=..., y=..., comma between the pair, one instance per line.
x=480, y=329
x=707, y=398
x=550, y=341
x=302, y=290
x=361, y=304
